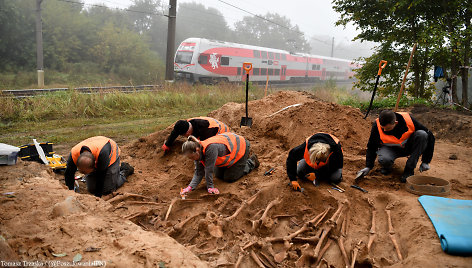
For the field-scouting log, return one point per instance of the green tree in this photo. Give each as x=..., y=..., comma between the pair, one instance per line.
x=17, y=30
x=397, y=25
x=195, y=20
x=274, y=31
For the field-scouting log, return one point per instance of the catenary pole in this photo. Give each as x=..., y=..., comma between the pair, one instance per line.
x=39, y=44
x=171, y=40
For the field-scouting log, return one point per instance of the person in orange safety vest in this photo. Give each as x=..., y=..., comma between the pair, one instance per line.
x=200, y=127
x=226, y=154
x=320, y=157
x=99, y=159
x=395, y=135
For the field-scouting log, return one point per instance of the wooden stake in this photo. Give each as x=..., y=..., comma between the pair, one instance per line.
x=404, y=77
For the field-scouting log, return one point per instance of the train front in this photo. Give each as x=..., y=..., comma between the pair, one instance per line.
x=184, y=61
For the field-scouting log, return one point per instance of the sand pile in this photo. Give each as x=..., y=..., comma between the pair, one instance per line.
x=259, y=218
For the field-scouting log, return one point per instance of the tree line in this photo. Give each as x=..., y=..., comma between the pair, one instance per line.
x=441, y=28
x=129, y=44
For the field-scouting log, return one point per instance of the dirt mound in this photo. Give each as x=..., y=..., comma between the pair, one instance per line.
x=41, y=221
x=446, y=124
x=258, y=220
x=253, y=219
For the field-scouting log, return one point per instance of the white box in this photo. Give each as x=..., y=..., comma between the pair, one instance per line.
x=8, y=154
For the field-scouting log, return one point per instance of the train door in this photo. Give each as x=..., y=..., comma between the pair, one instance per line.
x=323, y=74
x=282, y=72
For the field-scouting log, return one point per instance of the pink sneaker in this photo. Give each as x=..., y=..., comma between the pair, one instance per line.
x=213, y=191
x=185, y=190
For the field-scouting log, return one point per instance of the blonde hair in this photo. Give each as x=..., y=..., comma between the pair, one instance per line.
x=319, y=152
x=191, y=145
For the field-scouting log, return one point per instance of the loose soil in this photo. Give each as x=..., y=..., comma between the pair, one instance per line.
x=147, y=223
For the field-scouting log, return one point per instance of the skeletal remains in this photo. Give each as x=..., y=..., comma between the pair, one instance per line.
x=334, y=229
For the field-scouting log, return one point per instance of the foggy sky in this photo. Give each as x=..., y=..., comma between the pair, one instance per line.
x=315, y=18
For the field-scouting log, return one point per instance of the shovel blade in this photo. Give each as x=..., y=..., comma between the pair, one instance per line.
x=246, y=121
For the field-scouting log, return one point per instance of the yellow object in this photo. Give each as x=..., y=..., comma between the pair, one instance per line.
x=56, y=162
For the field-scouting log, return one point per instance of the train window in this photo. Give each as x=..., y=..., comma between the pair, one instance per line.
x=224, y=60
x=239, y=71
x=271, y=71
x=313, y=66
x=277, y=71
x=256, y=53
x=269, y=62
x=263, y=71
x=255, y=71
x=203, y=59
x=264, y=54
x=271, y=55
x=284, y=57
x=277, y=56
x=184, y=57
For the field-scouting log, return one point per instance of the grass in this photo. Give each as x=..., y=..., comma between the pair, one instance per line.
x=68, y=117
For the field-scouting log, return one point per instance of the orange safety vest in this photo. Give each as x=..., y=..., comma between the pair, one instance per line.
x=235, y=144
x=222, y=127
x=95, y=144
x=306, y=155
x=390, y=140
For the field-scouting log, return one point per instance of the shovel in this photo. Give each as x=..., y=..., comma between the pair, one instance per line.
x=246, y=121
x=382, y=65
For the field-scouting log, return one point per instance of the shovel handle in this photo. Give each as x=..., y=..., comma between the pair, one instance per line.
x=247, y=66
x=382, y=65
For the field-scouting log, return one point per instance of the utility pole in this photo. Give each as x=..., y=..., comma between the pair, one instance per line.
x=39, y=44
x=332, y=47
x=171, y=40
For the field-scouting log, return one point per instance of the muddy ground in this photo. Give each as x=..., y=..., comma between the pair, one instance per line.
x=253, y=218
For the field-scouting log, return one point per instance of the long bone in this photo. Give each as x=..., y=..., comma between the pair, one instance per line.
x=307, y=226
x=391, y=233
x=330, y=224
x=356, y=249
x=263, y=218
x=372, y=234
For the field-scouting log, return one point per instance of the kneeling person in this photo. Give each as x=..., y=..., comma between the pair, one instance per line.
x=319, y=157
x=99, y=159
x=225, y=154
x=200, y=127
x=395, y=135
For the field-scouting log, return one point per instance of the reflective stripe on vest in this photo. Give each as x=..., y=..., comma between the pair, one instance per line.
x=222, y=127
x=95, y=144
x=235, y=144
x=306, y=155
x=390, y=140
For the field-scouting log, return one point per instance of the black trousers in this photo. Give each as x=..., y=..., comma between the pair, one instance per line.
x=112, y=181
x=414, y=147
x=236, y=171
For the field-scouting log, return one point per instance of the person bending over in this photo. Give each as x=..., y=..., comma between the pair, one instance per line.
x=320, y=157
x=225, y=154
x=200, y=127
x=99, y=159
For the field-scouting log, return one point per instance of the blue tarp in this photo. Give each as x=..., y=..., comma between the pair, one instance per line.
x=452, y=219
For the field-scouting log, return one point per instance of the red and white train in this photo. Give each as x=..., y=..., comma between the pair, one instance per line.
x=210, y=61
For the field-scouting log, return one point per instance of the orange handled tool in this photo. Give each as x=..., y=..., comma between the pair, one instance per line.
x=382, y=65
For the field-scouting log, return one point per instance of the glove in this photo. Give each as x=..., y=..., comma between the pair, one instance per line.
x=311, y=177
x=363, y=172
x=165, y=148
x=296, y=186
x=424, y=167
x=213, y=191
x=185, y=190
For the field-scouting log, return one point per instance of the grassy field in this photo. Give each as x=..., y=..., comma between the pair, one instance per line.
x=69, y=117
x=66, y=118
